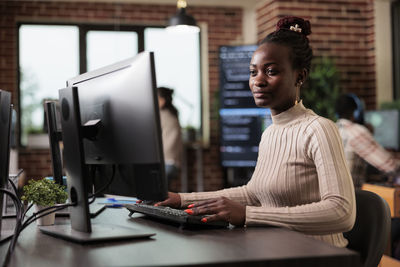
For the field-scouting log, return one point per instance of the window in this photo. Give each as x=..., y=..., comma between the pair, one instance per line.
x=115, y=46
x=177, y=60
x=52, y=54
x=48, y=56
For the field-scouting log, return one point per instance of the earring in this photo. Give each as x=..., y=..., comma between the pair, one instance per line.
x=298, y=85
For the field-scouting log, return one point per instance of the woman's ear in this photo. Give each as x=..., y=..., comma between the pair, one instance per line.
x=301, y=78
x=305, y=75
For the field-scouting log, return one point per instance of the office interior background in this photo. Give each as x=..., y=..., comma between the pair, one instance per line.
x=362, y=36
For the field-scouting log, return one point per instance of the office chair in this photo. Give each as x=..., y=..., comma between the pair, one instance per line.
x=371, y=231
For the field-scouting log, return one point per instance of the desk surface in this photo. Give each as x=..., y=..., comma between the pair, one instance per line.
x=172, y=246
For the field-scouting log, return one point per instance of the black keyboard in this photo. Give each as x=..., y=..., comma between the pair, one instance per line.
x=173, y=215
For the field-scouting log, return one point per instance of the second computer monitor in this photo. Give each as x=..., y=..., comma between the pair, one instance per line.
x=53, y=124
x=386, y=126
x=5, y=128
x=5, y=131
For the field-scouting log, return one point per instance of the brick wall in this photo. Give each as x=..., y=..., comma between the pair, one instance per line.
x=35, y=162
x=224, y=28
x=343, y=30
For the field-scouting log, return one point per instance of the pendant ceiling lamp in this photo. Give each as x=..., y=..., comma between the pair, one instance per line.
x=182, y=22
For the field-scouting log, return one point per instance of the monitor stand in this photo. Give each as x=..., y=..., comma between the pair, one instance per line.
x=99, y=233
x=81, y=230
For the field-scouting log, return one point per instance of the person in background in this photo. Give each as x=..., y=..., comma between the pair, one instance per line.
x=171, y=133
x=360, y=147
x=301, y=180
x=359, y=144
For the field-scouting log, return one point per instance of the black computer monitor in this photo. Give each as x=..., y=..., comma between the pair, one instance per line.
x=386, y=126
x=54, y=133
x=110, y=117
x=5, y=135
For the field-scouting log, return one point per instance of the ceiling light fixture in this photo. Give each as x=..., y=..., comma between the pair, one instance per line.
x=182, y=22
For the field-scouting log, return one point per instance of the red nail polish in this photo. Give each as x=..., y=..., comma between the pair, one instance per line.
x=190, y=206
x=189, y=211
x=204, y=220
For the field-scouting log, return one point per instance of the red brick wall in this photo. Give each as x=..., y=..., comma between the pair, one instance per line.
x=224, y=27
x=35, y=162
x=343, y=30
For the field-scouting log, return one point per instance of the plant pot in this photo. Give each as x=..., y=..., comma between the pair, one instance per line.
x=45, y=220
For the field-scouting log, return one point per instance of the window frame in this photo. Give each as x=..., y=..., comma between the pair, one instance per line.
x=396, y=48
x=85, y=28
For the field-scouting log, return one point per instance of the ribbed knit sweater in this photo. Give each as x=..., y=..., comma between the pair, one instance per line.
x=301, y=180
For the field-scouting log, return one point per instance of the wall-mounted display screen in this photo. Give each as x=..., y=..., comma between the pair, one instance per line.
x=241, y=121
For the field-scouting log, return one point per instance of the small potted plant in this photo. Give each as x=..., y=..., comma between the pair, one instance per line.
x=44, y=193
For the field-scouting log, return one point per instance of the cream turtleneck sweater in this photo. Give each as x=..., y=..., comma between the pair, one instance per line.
x=301, y=180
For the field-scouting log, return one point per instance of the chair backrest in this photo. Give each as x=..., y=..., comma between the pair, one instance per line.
x=371, y=231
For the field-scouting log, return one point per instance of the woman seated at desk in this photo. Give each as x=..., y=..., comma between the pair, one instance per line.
x=301, y=180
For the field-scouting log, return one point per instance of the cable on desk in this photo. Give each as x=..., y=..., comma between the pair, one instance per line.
x=13, y=186
x=42, y=213
x=92, y=200
x=29, y=207
x=21, y=224
x=105, y=186
x=18, y=208
x=20, y=171
x=12, y=182
x=21, y=213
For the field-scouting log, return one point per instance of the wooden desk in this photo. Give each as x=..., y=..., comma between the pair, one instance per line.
x=390, y=194
x=253, y=246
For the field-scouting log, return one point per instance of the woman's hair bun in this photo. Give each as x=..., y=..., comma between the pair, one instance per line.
x=289, y=23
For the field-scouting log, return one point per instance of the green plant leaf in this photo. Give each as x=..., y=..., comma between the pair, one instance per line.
x=322, y=88
x=44, y=192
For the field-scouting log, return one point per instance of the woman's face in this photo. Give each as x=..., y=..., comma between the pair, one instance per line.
x=161, y=102
x=272, y=78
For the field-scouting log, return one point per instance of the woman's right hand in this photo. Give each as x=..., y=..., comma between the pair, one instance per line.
x=173, y=200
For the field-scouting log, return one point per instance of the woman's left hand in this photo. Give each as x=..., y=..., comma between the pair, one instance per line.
x=221, y=209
